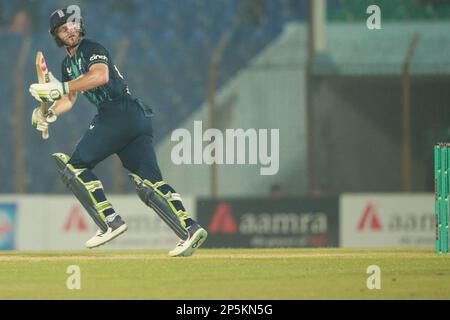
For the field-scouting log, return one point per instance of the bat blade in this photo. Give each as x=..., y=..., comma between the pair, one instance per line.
x=43, y=77
x=41, y=68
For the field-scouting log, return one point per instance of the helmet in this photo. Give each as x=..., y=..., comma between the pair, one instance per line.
x=60, y=17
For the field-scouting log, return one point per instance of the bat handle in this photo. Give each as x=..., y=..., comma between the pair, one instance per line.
x=45, y=134
x=44, y=108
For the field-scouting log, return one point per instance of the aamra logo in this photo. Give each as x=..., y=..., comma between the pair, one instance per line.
x=7, y=226
x=223, y=221
x=369, y=217
x=75, y=220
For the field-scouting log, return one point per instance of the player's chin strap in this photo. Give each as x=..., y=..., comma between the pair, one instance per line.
x=86, y=192
x=167, y=204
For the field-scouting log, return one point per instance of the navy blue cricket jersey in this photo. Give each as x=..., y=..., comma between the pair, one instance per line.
x=87, y=54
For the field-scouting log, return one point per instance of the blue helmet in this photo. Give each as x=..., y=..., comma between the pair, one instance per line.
x=60, y=17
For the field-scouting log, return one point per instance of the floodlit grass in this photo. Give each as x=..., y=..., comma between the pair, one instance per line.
x=250, y=274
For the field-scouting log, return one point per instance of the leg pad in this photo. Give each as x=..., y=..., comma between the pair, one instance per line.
x=85, y=192
x=166, y=205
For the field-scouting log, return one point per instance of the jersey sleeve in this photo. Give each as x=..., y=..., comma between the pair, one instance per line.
x=95, y=53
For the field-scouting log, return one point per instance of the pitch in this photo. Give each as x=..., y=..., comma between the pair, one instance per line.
x=250, y=274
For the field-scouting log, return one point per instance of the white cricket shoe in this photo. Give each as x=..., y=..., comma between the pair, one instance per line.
x=185, y=248
x=115, y=229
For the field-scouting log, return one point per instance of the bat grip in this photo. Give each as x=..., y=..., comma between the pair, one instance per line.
x=44, y=110
x=45, y=134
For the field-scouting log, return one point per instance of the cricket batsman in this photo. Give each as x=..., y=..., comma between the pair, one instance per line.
x=123, y=125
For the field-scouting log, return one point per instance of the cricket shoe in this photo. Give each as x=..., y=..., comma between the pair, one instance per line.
x=115, y=228
x=185, y=248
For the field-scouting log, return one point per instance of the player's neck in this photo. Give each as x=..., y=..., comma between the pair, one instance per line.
x=72, y=50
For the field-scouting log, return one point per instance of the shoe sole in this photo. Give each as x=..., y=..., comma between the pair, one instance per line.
x=198, y=238
x=114, y=235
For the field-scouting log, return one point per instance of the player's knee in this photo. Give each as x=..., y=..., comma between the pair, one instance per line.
x=83, y=160
x=147, y=173
x=128, y=166
x=68, y=172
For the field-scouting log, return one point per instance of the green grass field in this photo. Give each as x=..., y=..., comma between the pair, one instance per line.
x=226, y=274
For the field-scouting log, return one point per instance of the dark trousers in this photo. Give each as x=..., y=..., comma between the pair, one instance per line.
x=123, y=127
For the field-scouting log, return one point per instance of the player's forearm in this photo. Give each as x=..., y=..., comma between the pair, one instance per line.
x=64, y=105
x=61, y=106
x=90, y=80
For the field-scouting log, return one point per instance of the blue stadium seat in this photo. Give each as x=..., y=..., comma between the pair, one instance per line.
x=172, y=41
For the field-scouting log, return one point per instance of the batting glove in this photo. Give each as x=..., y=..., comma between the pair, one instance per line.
x=51, y=116
x=49, y=92
x=41, y=121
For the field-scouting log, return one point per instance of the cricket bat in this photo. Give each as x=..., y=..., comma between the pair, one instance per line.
x=43, y=77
